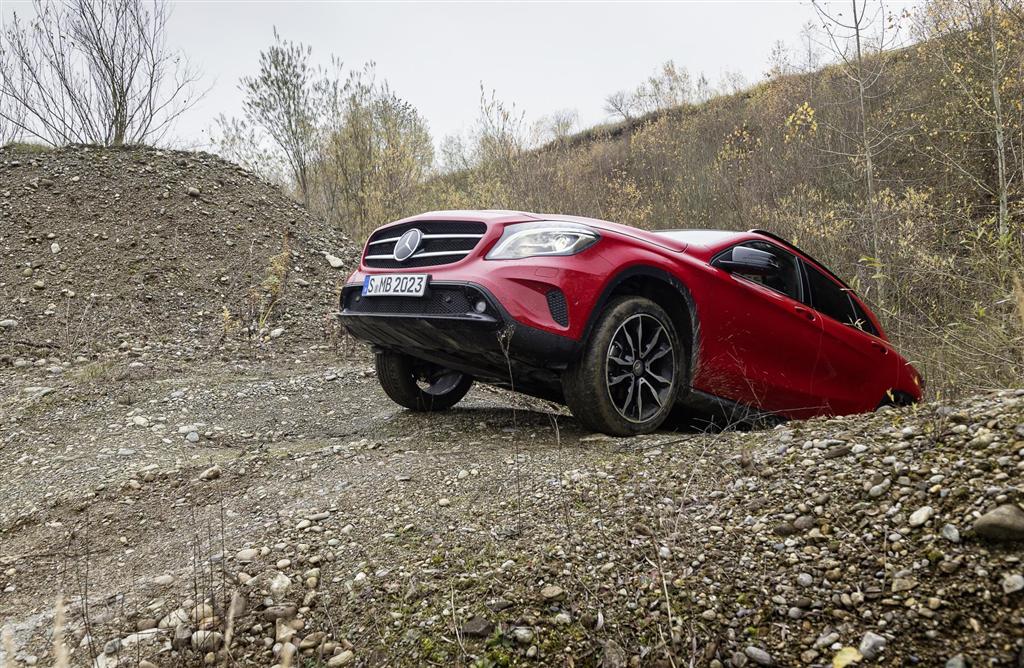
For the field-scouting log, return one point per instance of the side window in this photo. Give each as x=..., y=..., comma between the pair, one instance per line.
x=863, y=321
x=833, y=300
x=787, y=281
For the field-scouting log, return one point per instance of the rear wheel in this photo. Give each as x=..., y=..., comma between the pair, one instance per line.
x=627, y=379
x=895, y=399
x=419, y=385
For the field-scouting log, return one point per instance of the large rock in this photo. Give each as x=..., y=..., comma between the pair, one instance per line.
x=1005, y=523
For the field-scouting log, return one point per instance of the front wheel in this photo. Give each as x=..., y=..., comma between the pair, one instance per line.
x=627, y=379
x=419, y=385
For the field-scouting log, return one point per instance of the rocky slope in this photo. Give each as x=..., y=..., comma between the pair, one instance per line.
x=101, y=248
x=260, y=514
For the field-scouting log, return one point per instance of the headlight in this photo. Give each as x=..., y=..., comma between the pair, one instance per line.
x=544, y=238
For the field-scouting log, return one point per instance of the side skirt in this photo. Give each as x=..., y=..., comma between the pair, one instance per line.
x=702, y=410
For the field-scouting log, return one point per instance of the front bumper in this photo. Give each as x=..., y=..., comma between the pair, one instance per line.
x=462, y=326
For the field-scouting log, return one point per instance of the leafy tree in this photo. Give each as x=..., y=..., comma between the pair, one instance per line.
x=375, y=152
x=979, y=48
x=285, y=99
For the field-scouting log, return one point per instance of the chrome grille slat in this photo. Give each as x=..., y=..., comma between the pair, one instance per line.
x=420, y=254
x=442, y=242
x=391, y=240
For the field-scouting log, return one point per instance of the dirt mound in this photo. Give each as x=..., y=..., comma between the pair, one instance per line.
x=106, y=248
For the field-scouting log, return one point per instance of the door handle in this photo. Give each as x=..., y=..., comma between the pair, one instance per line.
x=879, y=347
x=805, y=312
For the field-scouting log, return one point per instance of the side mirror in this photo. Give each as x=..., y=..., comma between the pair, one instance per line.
x=746, y=260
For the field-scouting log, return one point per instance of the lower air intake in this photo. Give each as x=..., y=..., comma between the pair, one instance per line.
x=559, y=309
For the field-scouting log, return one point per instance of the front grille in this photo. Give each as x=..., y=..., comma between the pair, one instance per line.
x=559, y=309
x=444, y=242
x=438, y=300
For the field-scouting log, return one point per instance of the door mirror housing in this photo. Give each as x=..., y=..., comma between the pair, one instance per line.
x=745, y=260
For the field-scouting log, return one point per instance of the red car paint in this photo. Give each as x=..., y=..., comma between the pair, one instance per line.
x=756, y=346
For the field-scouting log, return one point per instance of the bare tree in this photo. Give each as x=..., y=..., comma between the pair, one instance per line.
x=619, y=104
x=11, y=115
x=671, y=86
x=780, y=60
x=859, y=42
x=285, y=100
x=555, y=126
x=94, y=72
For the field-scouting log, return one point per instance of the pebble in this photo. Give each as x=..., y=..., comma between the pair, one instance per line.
x=247, y=555
x=211, y=473
x=759, y=656
x=871, y=645
x=919, y=517
x=903, y=584
x=1013, y=582
x=950, y=533
x=552, y=593
x=523, y=635
x=478, y=626
x=207, y=641
x=343, y=659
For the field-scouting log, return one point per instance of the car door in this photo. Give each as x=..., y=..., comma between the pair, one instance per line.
x=761, y=340
x=855, y=367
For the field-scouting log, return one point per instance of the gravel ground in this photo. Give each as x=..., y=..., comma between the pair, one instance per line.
x=348, y=531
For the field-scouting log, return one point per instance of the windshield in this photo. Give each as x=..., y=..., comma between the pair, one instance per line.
x=697, y=237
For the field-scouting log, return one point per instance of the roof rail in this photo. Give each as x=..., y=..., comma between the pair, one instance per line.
x=772, y=235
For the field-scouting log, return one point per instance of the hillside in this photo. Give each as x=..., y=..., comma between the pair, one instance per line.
x=922, y=235
x=103, y=249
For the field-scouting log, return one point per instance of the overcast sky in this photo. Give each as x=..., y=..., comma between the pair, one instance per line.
x=543, y=56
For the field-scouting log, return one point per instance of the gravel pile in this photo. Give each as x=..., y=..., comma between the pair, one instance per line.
x=106, y=248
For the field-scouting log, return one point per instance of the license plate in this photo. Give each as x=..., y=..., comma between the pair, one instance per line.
x=395, y=285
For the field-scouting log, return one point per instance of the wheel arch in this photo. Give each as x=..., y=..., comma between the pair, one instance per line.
x=666, y=290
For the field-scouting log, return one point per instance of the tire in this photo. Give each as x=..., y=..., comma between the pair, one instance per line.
x=894, y=400
x=419, y=385
x=607, y=390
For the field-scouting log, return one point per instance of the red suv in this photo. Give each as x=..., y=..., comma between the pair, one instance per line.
x=623, y=325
